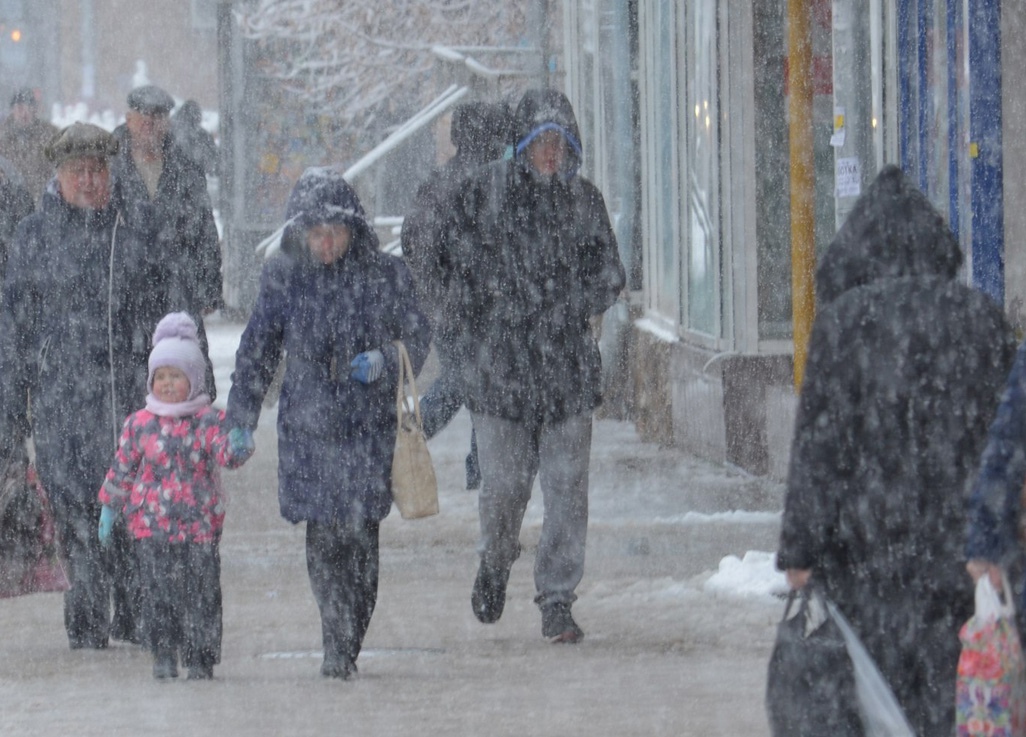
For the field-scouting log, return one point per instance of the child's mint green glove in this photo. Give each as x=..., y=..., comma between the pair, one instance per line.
x=240, y=444
x=107, y=517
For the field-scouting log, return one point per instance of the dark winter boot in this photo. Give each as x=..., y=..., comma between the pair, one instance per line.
x=123, y=628
x=201, y=671
x=338, y=666
x=165, y=664
x=489, y=596
x=558, y=626
x=89, y=641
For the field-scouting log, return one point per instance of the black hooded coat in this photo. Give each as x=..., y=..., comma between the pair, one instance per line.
x=479, y=132
x=905, y=368
x=533, y=259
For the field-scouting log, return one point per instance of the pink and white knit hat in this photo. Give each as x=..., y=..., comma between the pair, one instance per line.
x=176, y=343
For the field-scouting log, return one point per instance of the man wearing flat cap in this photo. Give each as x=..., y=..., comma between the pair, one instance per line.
x=80, y=299
x=23, y=135
x=163, y=196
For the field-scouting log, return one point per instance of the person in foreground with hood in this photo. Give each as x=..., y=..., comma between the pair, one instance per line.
x=333, y=304
x=904, y=370
x=534, y=258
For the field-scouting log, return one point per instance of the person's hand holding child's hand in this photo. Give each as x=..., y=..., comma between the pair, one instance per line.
x=240, y=443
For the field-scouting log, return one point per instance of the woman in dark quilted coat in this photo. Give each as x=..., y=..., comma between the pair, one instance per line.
x=904, y=371
x=333, y=305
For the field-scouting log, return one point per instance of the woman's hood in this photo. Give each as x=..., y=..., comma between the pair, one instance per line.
x=322, y=196
x=893, y=231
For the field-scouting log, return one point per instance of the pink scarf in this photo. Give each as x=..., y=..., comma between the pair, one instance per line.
x=179, y=409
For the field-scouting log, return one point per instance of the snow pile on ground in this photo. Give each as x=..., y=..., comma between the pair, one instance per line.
x=755, y=575
x=733, y=516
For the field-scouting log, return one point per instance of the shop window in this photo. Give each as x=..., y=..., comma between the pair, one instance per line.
x=661, y=133
x=704, y=277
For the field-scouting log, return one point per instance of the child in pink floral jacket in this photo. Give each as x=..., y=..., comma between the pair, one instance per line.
x=165, y=482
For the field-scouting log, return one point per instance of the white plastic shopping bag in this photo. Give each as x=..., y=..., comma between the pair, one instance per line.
x=881, y=714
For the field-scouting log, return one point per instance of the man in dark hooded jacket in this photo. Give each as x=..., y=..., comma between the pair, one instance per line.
x=80, y=300
x=534, y=258
x=904, y=371
x=480, y=132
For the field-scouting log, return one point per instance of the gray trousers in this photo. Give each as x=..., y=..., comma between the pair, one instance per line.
x=512, y=454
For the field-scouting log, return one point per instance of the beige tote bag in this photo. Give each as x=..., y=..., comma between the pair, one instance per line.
x=414, y=487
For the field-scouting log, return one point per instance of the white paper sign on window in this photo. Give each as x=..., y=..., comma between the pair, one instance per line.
x=848, y=177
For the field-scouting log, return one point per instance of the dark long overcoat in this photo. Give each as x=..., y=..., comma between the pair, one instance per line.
x=177, y=222
x=335, y=435
x=80, y=301
x=904, y=370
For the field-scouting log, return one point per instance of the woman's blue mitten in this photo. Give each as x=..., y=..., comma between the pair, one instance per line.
x=368, y=367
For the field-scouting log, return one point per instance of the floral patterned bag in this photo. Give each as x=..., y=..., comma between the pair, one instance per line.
x=991, y=688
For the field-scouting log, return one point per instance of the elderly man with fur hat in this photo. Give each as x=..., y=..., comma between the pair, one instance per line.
x=80, y=300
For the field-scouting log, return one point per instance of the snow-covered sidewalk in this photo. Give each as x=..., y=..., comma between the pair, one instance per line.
x=678, y=604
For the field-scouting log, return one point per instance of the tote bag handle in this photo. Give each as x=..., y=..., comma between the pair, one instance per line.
x=406, y=375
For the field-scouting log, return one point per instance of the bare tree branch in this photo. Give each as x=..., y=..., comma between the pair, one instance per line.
x=351, y=58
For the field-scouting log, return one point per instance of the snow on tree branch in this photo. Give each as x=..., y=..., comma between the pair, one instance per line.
x=351, y=58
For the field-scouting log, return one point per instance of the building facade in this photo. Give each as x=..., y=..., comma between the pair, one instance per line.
x=685, y=119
